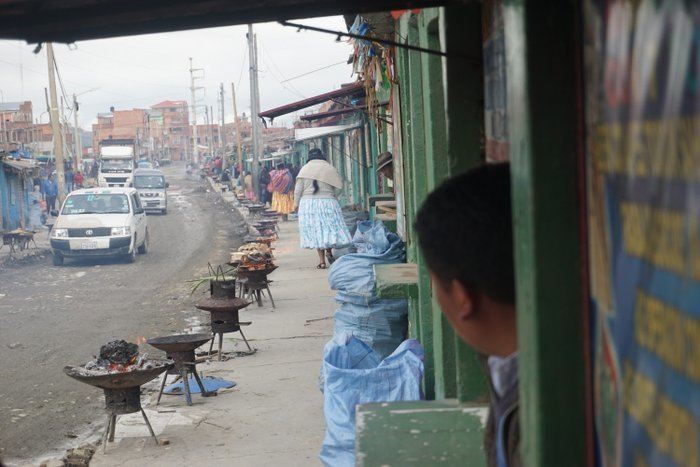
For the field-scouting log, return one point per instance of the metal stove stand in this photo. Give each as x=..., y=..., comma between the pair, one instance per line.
x=121, y=402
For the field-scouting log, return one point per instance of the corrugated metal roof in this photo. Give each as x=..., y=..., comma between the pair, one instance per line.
x=301, y=134
x=350, y=89
x=20, y=165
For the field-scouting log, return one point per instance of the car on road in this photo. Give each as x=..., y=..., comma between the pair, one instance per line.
x=100, y=222
x=153, y=189
x=142, y=164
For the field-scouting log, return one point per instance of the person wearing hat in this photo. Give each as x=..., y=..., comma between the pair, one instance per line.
x=321, y=223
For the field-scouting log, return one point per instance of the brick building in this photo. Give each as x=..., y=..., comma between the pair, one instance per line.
x=170, y=129
x=16, y=124
x=122, y=124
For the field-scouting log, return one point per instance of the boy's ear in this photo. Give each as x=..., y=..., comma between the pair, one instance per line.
x=464, y=298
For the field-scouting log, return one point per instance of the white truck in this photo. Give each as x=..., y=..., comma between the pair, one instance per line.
x=116, y=166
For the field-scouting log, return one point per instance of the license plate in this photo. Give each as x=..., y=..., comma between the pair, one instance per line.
x=88, y=246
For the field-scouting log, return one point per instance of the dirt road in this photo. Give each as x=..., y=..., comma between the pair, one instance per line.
x=54, y=316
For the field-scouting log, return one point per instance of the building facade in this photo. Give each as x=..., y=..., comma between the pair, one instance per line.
x=16, y=125
x=171, y=130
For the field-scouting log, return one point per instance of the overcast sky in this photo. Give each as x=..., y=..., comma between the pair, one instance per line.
x=139, y=71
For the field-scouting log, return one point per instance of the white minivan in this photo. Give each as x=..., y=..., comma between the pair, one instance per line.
x=100, y=222
x=153, y=189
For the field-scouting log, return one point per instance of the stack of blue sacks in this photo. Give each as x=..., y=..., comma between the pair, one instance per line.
x=368, y=359
x=380, y=323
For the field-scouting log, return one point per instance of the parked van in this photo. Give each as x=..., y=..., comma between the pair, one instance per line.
x=153, y=189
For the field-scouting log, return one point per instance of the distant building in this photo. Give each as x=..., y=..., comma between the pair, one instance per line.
x=16, y=124
x=170, y=129
x=122, y=124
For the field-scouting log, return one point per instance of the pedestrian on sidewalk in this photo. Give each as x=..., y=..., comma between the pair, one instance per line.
x=69, y=177
x=281, y=186
x=78, y=180
x=264, y=181
x=35, y=209
x=225, y=179
x=321, y=223
x=50, y=193
x=465, y=233
x=248, y=184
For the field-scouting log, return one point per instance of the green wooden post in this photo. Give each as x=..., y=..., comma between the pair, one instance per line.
x=418, y=193
x=541, y=61
x=437, y=163
x=402, y=65
x=461, y=28
x=373, y=151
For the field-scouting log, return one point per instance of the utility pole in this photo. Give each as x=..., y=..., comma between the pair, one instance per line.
x=6, y=146
x=55, y=124
x=193, y=90
x=77, y=143
x=224, y=155
x=236, y=122
x=211, y=114
x=210, y=135
x=254, y=107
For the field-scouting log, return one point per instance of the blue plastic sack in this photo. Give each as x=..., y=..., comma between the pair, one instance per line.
x=354, y=374
x=380, y=323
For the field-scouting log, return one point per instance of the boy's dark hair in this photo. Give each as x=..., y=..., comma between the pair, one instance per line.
x=465, y=231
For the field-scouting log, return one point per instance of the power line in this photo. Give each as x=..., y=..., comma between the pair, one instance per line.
x=112, y=75
x=111, y=59
x=344, y=62
x=245, y=59
x=60, y=81
x=43, y=73
x=293, y=89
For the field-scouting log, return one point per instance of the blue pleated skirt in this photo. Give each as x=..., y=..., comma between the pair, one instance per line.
x=321, y=224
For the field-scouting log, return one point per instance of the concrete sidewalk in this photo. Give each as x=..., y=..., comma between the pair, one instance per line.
x=274, y=416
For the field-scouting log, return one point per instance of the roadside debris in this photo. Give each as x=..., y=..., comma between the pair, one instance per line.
x=80, y=456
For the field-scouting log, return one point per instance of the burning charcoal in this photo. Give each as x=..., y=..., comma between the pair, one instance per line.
x=119, y=351
x=142, y=358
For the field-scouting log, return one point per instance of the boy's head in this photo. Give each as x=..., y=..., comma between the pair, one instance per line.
x=465, y=233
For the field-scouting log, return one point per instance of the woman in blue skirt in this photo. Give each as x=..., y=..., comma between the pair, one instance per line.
x=321, y=224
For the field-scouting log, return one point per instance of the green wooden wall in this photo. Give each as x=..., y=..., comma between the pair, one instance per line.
x=441, y=103
x=430, y=155
x=542, y=52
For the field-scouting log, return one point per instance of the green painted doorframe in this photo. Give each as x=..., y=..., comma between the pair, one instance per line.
x=452, y=369
x=460, y=29
x=436, y=164
x=541, y=53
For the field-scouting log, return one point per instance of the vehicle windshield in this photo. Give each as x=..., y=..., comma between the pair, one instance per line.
x=149, y=181
x=116, y=164
x=96, y=204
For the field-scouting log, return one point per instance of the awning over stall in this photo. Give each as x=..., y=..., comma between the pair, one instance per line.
x=346, y=90
x=302, y=134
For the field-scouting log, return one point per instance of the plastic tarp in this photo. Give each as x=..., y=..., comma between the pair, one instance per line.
x=210, y=384
x=380, y=323
x=355, y=374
